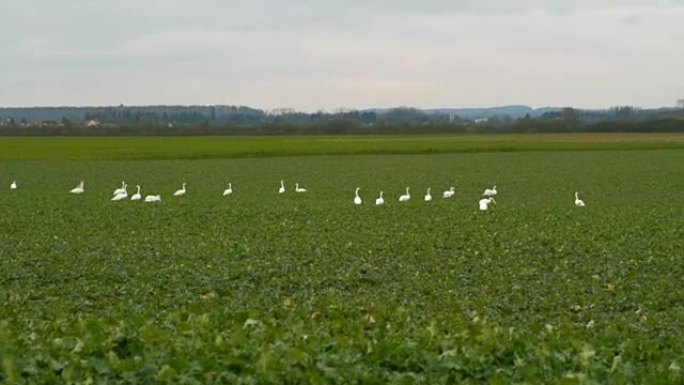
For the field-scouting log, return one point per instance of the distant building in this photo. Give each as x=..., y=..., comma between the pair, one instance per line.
x=91, y=123
x=481, y=120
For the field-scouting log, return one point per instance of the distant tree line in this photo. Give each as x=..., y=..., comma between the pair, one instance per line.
x=226, y=120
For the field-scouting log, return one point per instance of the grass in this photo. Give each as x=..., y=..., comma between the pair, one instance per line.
x=131, y=148
x=261, y=288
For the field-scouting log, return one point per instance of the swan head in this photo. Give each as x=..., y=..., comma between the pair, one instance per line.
x=452, y=188
x=429, y=188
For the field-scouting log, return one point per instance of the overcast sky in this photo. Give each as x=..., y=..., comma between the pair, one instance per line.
x=325, y=54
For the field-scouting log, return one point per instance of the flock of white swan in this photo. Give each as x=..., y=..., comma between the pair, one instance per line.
x=121, y=194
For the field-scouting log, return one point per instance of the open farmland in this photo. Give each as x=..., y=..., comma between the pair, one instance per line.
x=267, y=288
x=208, y=147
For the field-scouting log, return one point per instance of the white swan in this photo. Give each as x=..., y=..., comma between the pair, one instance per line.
x=120, y=190
x=490, y=192
x=13, y=185
x=428, y=197
x=122, y=195
x=153, y=198
x=484, y=203
x=380, y=201
x=136, y=196
x=78, y=189
x=449, y=193
x=357, y=198
x=299, y=189
x=281, y=190
x=180, y=192
x=229, y=190
x=405, y=197
x=578, y=202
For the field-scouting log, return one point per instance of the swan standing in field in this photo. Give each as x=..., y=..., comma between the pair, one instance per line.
x=380, y=201
x=449, y=193
x=405, y=197
x=153, y=198
x=78, y=189
x=490, y=192
x=428, y=197
x=281, y=190
x=484, y=203
x=122, y=195
x=136, y=196
x=299, y=189
x=13, y=185
x=120, y=190
x=578, y=202
x=180, y=192
x=229, y=190
x=357, y=198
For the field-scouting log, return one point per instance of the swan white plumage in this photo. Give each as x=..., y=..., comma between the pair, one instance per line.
x=380, y=201
x=281, y=190
x=449, y=193
x=357, y=198
x=122, y=195
x=405, y=197
x=578, y=202
x=136, y=196
x=78, y=189
x=13, y=185
x=180, y=192
x=428, y=197
x=484, y=203
x=120, y=190
x=490, y=192
x=299, y=189
x=153, y=198
x=229, y=190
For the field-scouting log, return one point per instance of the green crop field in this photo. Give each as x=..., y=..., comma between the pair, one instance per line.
x=261, y=288
x=137, y=148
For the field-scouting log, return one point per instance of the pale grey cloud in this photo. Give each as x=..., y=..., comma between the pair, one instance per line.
x=323, y=54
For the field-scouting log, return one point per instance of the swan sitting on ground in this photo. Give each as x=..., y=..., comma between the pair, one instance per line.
x=136, y=196
x=428, y=197
x=180, y=192
x=120, y=189
x=405, y=197
x=484, y=203
x=299, y=189
x=578, y=202
x=357, y=198
x=153, y=198
x=229, y=190
x=380, y=201
x=281, y=190
x=490, y=192
x=78, y=189
x=122, y=195
x=449, y=193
